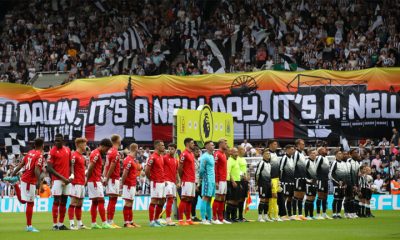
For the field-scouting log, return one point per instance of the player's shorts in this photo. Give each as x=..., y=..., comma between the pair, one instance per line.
x=338, y=191
x=28, y=191
x=322, y=186
x=244, y=189
x=366, y=193
x=95, y=190
x=157, y=190
x=208, y=189
x=300, y=184
x=59, y=188
x=265, y=191
x=311, y=189
x=287, y=189
x=349, y=193
x=222, y=188
x=112, y=187
x=275, y=185
x=78, y=191
x=188, y=189
x=170, y=189
x=233, y=193
x=128, y=192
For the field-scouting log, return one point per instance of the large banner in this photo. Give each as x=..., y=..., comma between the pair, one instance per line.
x=11, y=205
x=266, y=104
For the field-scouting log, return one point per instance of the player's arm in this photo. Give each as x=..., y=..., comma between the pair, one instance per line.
x=125, y=174
x=147, y=170
x=18, y=168
x=180, y=166
x=110, y=170
x=257, y=174
x=90, y=170
x=202, y=166
x=37, y=175
x=51, y=170
x=332, y=171
x=72, y=167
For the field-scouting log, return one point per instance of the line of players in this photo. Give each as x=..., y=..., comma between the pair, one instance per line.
x=282, y=184
x=286, y=182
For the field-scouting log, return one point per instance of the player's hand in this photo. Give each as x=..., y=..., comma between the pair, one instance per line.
x=234, y=184
x=66, y=181
x=216, y=186
x=178, y=185
x=274, y=195
x=340, y=183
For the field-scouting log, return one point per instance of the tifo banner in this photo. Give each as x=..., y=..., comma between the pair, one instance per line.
x=11, y=205
x=266, y=104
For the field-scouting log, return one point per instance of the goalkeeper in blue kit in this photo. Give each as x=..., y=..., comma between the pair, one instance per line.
x=207, y=180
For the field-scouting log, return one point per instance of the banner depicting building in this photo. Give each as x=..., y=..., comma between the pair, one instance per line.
x=268, y=104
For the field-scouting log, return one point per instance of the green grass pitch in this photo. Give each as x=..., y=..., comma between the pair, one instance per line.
x=386, y=225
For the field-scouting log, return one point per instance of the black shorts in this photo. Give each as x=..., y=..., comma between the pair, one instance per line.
x=264, y=191
x=287, y=189
x=322, y=186
x=311, y=189
x=338, y=191
x=366, y=193
x=300, y=184
x=244, y=189
x=233, y=194
x=349, y=193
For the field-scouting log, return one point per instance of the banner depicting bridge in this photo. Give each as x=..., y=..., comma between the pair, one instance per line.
x=267, y=104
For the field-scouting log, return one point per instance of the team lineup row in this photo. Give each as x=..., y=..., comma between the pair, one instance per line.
x=283, y=183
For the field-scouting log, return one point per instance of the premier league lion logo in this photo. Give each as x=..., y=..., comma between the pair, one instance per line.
x=206, y=125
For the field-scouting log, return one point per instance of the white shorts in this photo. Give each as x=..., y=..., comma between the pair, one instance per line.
x=59, y=188
x=128, y=193
x=78, y=191
x=95, y=191
x=222, y=188
x=28, y=195
x=170, y=189
x=112, y=187
x=157, y=190
x=188, y=189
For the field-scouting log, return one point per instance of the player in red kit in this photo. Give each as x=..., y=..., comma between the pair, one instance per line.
x=220, y=183
x=129, y=174
x=170, y=174
x=95, y=184
x=187, y=174
x=112, y=174
x=78, y=167
x=58, y=165
x=33, y=163
x=155, y=173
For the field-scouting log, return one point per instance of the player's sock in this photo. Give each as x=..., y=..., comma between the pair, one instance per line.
x=334, y=206
x=273, y=207
x=18, y=193
x=346, y=206
x=102, y=210
x=63, y=210
x=181, y=209
x=307, y=208
x=221, y=209
x=158, y=211
x=168, y=210
x=93, y=210
x=54, y=212
x=362, y=209
x=188, y=210
x=300, y=206
x=266, y=207
x=203, y=209
x=209, y=211
x=324, y=205
x=125, y=212
x=130, y=211
x=29, y=213
x=339, y=206
x=288, y=205
x=215, y=210
x=261, y=207
x=193, y=205
x=240, y=210
x=234, y=212
x=152, y=208
x=319, y=203
x=71, y=212
x=354, y=207
x=78, y=214
x=294, y=205
x=312, y=209
x=111, y=208
x=367, y=210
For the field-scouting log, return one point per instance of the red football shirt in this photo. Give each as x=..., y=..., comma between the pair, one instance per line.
x=113, y=157
x=32, y=159
x=189, y=169
x=170, y=168
x=156, y=164
x=220, y=166
x=60, y=158
x=79, y=168
x=130, y=166
x=95, y=157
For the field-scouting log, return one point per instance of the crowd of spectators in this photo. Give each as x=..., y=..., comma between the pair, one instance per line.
x=80, y=38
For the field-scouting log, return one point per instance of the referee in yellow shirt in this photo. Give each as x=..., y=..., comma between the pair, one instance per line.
x=234, y=186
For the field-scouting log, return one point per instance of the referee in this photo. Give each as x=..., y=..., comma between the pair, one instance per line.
x=233, y=179
x=244, y=182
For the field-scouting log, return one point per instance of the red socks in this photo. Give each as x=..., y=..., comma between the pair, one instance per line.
x=54, y=211
x=188, y=210
x=184, y=207
x=102, y=210
x=151, y=212
x=71, y=212
x=127, y=214
x=215, y=210
x=218, y=210
x=18, y=193
x=111, y=208
x=63, y=210
x=29, y=213
x=78, y=213
x=159, y=209
x=130, y=214
x=93, y=210
x=168, y=209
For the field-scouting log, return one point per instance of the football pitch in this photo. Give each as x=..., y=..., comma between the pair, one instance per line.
x=386, y=225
